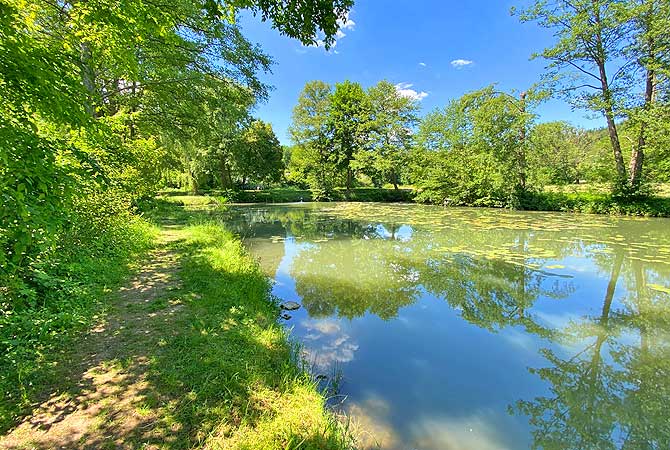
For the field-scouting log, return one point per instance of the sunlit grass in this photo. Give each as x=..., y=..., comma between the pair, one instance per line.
x=228, y=366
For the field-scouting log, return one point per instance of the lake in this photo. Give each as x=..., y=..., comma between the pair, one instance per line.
x=474, y=328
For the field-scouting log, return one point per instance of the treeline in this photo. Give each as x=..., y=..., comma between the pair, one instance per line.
x=346, y=132
x=487, y=148
x=610, y=58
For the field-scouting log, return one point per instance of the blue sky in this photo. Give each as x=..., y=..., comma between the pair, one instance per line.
x=437, y=50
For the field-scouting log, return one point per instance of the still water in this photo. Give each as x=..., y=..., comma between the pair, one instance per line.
x=478, y=329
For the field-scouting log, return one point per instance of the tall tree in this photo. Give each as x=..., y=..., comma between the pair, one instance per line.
x=601, y=47
x=474, y=152
x=349, y=116
x=258, y=154
x=650, y=48
x=390, y=131
x=312, y=158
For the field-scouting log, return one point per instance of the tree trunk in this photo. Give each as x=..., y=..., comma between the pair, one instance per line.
x=637, y=157
x=521, y=151
x=608, y=109
x=193, y=182
x=87, y=76
x=349, y=178
x=612, y=130
x=133, y=110
x=226, y=179
x=604, y=315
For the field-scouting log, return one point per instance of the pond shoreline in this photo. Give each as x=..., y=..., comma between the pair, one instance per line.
x=577, y=202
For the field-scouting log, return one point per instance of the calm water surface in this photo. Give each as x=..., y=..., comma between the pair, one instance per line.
x=479, y=329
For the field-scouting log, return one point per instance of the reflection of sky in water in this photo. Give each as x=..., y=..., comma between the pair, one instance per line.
x=442, y=371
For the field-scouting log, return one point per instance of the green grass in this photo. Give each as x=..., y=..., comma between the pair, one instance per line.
x=292, y=195
x=230, y=374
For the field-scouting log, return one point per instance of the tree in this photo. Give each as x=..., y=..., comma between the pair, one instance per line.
x=312, y=157
x=649, y=49
x=93, y=94
x=258, y=154
x=558, y=150
x=349, y=116
x=601, y=47
x=391, y=122
x=474, y=152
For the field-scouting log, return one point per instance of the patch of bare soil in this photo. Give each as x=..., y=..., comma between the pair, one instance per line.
x=105, y=404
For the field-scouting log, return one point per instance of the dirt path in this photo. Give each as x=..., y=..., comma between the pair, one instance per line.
x=105, y=405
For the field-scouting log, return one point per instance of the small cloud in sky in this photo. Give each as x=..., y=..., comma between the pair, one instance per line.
x=460, y=63
x=405, y=89
x=344, y=24
x=422, y=64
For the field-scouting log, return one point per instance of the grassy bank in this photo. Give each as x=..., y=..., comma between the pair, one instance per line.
x=230, y=369
x=188, y=354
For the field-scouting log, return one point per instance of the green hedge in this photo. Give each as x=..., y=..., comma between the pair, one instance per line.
x=590, y=203
x=298, y=195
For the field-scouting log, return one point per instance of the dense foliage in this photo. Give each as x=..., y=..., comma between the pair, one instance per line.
x=487, y=148
x=101, y=102
x=346, y=131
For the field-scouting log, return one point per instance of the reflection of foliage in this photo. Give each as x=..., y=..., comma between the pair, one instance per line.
x=614, y=393
x=489, y=293
x=493, y=267
x=353, y=277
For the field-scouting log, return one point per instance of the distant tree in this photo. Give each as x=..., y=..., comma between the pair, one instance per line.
x=557, y=151
x=312, y=157
x=390, y=132
x=258, y=154
x=475, y=151
x=349, y=116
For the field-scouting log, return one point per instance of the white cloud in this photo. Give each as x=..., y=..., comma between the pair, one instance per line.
x=405, y=89
x=460, y=63
x=422, y=64
x=343, y=24
x=327, y=344
x=346, y=23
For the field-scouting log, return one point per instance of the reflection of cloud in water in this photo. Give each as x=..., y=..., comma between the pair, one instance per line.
x=456, y=433
x=520, y=339
x=326, y=343
x=371, y=425
x=557, y=321
x=369, y=420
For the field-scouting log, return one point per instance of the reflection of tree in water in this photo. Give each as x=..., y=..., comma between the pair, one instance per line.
x=614, y=392
x=351, y=278
x=493, y=292
x=381, y=273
